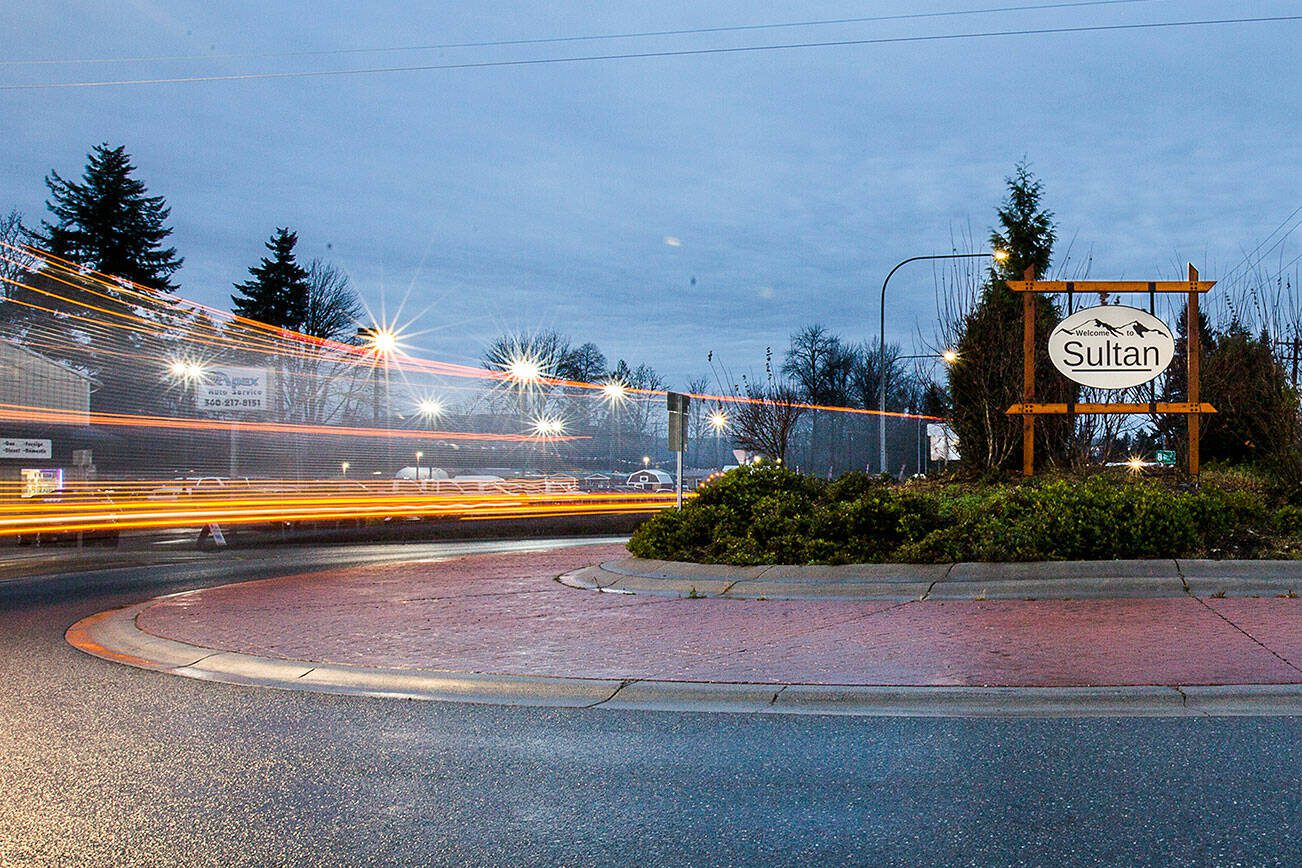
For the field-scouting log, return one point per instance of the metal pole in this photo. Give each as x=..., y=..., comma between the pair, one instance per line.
x=921, y=469
x=388, y=419
x=1297, y=346
x=881, y=354
x=679, y=484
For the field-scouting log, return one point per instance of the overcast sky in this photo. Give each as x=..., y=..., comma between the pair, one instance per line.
x=665, y=207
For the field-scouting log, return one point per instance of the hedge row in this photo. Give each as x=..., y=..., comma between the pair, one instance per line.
x=764, y=515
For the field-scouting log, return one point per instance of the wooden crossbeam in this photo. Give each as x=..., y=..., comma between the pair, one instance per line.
x=1192, y=409
x=1180, y=408
x=1110, y=286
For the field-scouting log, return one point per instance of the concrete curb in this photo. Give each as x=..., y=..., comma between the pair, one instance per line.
x=1049, y=580
x=113, y=635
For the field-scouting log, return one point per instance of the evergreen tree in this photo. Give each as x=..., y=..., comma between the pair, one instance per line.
x=108, y=223
x=1256, y=407
x=987, y=378
x=278, y=294
x=1252, y=395
x=1172, y=431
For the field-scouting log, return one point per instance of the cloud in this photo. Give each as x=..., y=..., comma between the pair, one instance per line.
x=515, y=197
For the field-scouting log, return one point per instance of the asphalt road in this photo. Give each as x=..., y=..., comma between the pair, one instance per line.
x=102, y=764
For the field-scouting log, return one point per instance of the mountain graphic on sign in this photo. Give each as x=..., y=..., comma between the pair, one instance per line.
x=1098, y=323
x=1142, y=330
x=1134, y=327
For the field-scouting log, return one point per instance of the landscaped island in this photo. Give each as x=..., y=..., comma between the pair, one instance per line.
x=767, y=515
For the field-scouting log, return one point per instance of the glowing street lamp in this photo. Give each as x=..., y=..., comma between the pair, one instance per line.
x=523, y=371
x=343, y=469
x=718, y=421
x=548, y=427
x=430, y=408
x=187, y=371
x=381, y=341
x=950, y=356
x=383, y=344
x=419, y=456
x=615, y=392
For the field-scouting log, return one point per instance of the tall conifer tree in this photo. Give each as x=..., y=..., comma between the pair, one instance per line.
x=108, y=223
x=278, y=293
x=987, y=378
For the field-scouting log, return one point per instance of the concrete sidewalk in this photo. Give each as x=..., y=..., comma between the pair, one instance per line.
x=498, y=628
x=1053, y=580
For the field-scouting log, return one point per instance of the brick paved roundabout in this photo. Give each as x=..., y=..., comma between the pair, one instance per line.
x=500, y=628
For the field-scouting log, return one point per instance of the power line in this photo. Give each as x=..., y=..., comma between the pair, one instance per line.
x=501, y=43
x=691, y=52
x=1247, y=257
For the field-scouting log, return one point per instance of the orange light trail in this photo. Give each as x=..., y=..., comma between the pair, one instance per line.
x=245, y=334
x=19, y=413
x=136, y=512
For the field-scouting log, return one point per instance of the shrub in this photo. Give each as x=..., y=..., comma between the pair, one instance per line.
x=772, y=515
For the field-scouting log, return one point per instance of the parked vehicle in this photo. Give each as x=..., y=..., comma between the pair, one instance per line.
x=106, y=534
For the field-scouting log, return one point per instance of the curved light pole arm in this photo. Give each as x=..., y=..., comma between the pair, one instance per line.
x=881, y=352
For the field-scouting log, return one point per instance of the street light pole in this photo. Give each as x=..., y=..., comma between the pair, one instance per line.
x=881, y=332
x=383, y=342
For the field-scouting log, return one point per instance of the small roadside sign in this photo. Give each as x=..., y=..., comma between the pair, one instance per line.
x=677, y=403
x=1166, y=457
x=678, y=421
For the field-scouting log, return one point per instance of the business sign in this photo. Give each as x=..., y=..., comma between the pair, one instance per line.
x=943, y=442
x=232, y=390
x=39, y=481
x=1111, y=347
x=20, y=447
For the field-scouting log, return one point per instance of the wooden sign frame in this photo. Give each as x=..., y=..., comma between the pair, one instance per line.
x=1028, y=409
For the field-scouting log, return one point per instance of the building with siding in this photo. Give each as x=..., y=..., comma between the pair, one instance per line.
x=29, y=384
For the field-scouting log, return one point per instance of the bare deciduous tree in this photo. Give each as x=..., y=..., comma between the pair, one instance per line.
x=15, y=263
x=333, y=309
x=767, y=419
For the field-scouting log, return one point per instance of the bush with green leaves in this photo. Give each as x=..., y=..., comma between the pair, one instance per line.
x=760, y=515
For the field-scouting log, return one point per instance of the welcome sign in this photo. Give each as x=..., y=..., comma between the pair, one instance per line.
x=1111, y=347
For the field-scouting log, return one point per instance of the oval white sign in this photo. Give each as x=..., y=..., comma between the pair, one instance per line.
x=1111, y=346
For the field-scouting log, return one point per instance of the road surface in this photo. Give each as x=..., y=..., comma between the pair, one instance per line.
x=106, y=764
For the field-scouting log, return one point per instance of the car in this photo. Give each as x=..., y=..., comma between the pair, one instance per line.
x=106, y=534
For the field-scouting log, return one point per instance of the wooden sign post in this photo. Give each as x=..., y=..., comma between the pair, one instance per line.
x=1028, y=409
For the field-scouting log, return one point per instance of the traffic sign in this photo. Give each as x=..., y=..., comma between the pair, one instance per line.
x=677, y=421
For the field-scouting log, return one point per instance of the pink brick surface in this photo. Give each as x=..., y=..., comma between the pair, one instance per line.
x=505, y=614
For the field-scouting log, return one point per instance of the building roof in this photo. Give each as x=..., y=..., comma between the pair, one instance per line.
x=650, y=473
